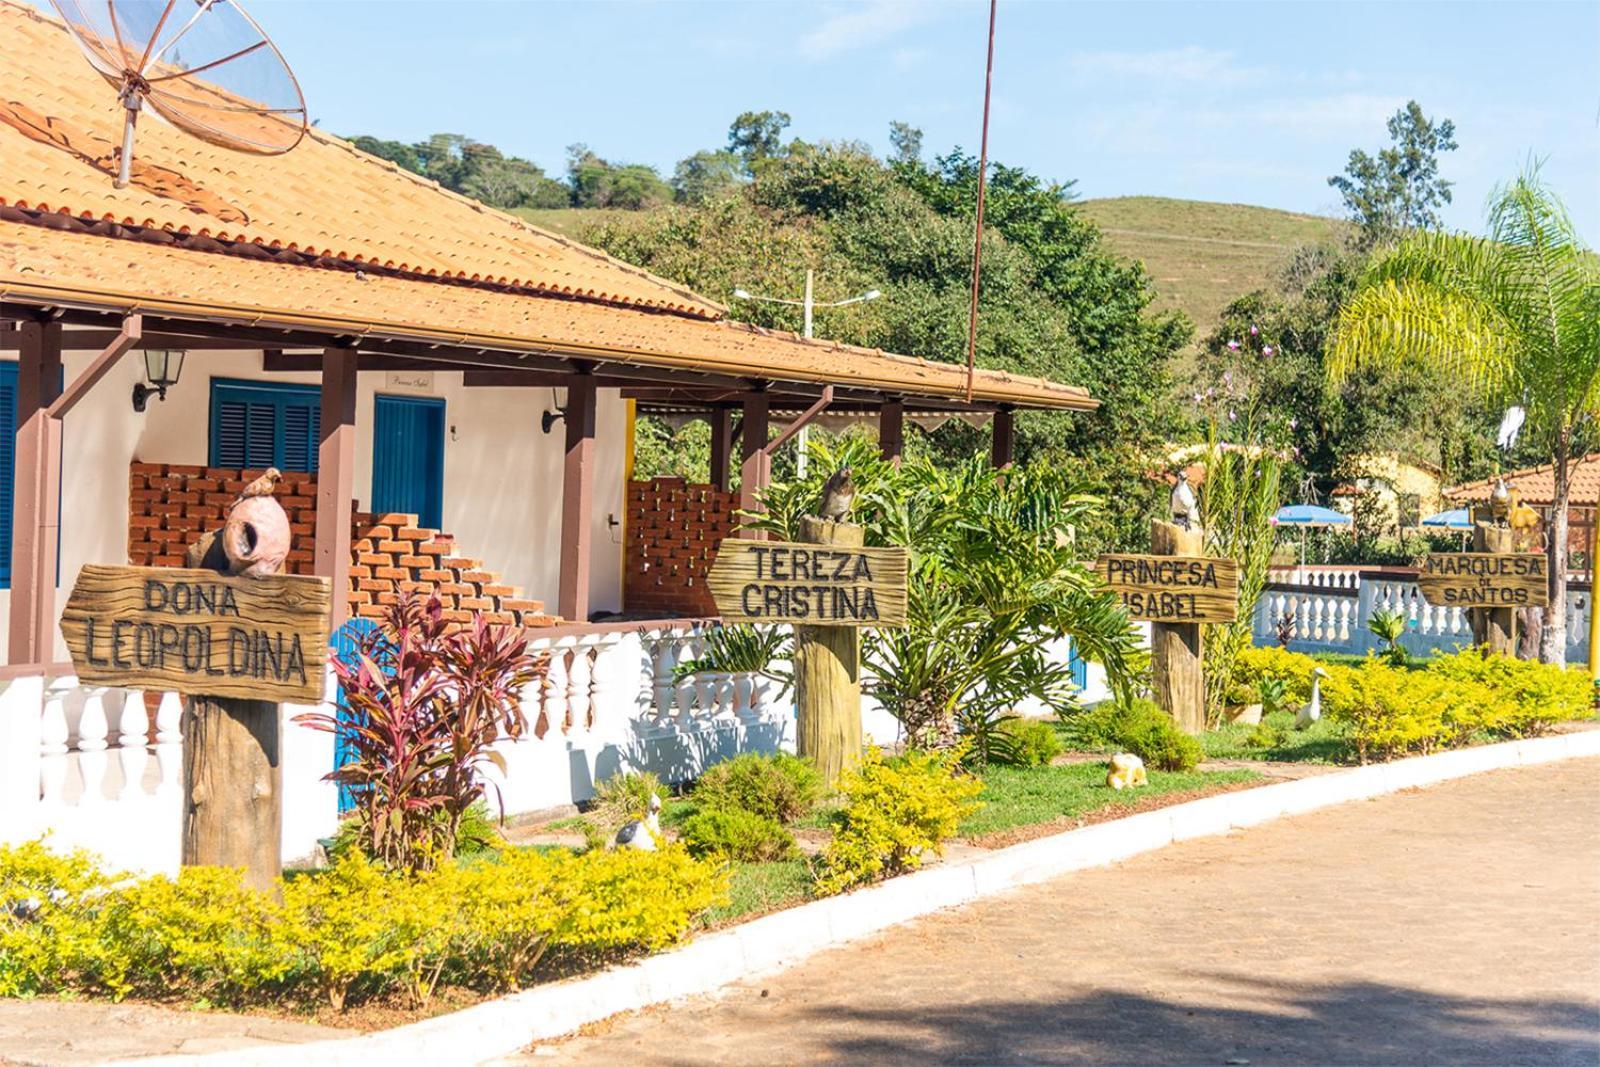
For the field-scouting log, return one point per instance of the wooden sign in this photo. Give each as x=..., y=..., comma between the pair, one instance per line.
x=199, y=632
x=1189, y=589
x=809, y=585
x=1484, y=579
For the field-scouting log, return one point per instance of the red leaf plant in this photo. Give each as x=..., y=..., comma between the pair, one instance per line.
x=427, y=699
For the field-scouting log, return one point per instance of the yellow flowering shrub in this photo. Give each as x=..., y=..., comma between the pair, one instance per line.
x=1391, y=712
x=1539, y=695
x=50, y=923
x=896, y=811
x=1292, y=668
x=507, y=910
x=623, y=899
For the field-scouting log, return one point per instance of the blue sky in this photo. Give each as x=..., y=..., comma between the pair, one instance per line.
x=1247, y=102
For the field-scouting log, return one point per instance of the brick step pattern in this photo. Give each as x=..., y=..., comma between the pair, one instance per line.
x=674, y=531
x=170, y=505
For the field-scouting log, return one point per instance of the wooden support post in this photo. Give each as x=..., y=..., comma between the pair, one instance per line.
x=721, y=447
x=1002, y=449
x=892, y=430
x=232, y=769
x=36, y=495
x=827, y=673
x=753, y=470
x=1494, y=627
x=1176, y=653
x=336, y=460
x=577, y=500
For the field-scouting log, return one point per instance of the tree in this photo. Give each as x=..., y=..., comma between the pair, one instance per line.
x=756, y=137
x=1516, y=316
x=1400, y=188
x=598, y=183
x=705, y=175
x=906, y=140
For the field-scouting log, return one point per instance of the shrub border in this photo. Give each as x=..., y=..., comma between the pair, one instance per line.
x=501, y=1027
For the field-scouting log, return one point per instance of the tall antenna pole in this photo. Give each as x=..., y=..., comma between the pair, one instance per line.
x=983, y=179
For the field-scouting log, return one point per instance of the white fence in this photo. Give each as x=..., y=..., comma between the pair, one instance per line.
x=1331, y=612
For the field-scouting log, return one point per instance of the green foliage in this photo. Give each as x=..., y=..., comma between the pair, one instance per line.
x=740, y=648
x=1149, y=733
x=1389, y=712
x=1240, y=494
x=737, y=834
x=1399, y=189
x=622, y=798
x=1389, y=627
x=756, y=888
x=757, y=137
x=705, y=176
x=1273, y=695
x=995, y=579
x=1540, y=694
x=1255, y=665
x=1025, y=743
x=599, y=183
x=354, y=931
x=896, y=811
x=779, y=787
x=1513, y=316
x=660, y=451
x=1015, y=797
x=473, y=169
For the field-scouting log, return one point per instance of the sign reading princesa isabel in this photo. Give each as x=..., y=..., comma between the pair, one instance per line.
x=1179, y=589
x=1484, y=579
x=809, y=585
x=199, y=632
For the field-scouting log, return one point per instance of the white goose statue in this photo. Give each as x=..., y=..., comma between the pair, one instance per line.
x=641, y=834
x=1311, y=710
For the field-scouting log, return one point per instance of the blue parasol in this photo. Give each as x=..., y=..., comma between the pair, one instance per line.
x=1455, y=519
x=1308, y=516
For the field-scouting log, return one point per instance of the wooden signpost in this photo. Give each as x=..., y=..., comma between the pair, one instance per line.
x=1493, y=582
x=1175, y=589
x=828, y=586
x=236, y=646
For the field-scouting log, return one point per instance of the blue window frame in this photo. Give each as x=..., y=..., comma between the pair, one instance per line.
x=264, y=424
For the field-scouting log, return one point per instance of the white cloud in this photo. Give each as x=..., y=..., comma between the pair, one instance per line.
x=1191, y=65
x=862, y=25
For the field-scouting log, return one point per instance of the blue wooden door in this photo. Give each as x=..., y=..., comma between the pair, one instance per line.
x=346, y=647
x=1079, y=668
x=408, y=457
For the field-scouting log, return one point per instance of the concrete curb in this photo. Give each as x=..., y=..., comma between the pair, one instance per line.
x=501, y=1027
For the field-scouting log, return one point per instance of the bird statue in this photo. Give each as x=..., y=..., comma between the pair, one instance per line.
x=641, y=834
x=1185, y=507
x=1311, y=710
x=262, y=486
x=1511, y=426
x=837, y=494
x=1127, y=771
x=1501, y=501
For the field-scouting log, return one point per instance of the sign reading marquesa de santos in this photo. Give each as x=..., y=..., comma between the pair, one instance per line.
x=1173, y=589
x=809, y=585
x=199, y=632
x=1484, y=579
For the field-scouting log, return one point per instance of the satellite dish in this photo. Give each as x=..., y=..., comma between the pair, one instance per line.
x=203, y=65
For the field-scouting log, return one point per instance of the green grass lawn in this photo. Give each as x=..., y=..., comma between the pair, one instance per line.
x=1024, y=796
x=1321, y=742
x=758, y=888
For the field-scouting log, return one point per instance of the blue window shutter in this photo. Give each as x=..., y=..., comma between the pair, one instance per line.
x=264, y=424
x=8, y=464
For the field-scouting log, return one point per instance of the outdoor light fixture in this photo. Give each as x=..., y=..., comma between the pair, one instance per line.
x=548, y=420
x=162, y=366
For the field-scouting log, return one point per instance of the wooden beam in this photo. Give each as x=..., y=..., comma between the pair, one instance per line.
x=36, y=496
x=336, y=460
x=124, y=339
x=799, y=423
x=721, y=446
x=755, y=468
x=1003, y=448
x=892, y=430
x=95, y=340
x=577, y=501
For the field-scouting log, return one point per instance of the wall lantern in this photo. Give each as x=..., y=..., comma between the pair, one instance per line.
x=162, y=367
x=548, y=420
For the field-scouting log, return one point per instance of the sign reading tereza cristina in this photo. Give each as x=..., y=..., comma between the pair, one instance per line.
x=809, y=585
x=1180, y=589
x=199, y=632
x=1484, y=579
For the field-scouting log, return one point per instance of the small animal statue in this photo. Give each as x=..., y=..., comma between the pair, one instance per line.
x=837, y=494
x=1185, y=507
x=1127, y=771
x=265, y=485
x=641, y=834
x=1501, y=501
x=1311, y=710
x=1525, y=524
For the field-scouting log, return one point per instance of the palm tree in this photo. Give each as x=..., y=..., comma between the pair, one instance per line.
x=1514, y=315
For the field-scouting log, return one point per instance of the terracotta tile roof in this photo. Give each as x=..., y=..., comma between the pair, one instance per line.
x=437, y=267
x=1537, y=485
x=59, y=121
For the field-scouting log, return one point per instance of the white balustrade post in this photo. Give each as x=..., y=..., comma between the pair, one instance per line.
x=169, y=744
x=555, y=689
x=580, y=700
x=1361, y=640
x=133, y=741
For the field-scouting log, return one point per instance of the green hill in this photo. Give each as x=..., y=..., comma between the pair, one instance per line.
x=1204, y=255
x=1201, y=255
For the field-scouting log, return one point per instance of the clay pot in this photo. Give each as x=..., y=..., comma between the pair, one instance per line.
x=256, y=536
x=1245, y=714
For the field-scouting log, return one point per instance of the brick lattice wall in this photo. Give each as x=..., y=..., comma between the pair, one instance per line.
x=170, y=505
x=674, y=529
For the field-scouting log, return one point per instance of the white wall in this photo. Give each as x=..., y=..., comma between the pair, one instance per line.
x=502, y=481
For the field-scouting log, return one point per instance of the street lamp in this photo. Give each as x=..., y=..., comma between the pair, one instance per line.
x=807, y=304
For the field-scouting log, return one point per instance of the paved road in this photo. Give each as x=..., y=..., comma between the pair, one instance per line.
x=1455, y=925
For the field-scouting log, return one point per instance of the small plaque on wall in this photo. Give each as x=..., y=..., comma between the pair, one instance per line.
x=411, y=381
